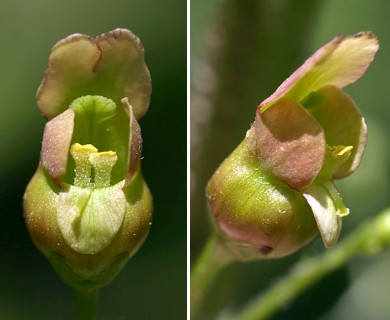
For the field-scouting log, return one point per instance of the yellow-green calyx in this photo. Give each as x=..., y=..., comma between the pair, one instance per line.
x=277, y=189
x=257, y=215
x=88, y=208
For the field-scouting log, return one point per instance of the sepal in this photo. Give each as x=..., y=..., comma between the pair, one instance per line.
x=256, y=215
x=41, y=215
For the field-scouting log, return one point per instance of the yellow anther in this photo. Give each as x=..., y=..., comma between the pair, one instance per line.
x=87, y=157
x=78, y=148
x=82, y=170
x=102, y=163
x=341, y=150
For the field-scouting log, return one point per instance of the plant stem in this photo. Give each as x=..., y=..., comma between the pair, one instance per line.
x=371, y=237
x=212, y=260
x=86, y=303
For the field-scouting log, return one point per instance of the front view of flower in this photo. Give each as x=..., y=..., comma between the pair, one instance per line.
x=87, y=207
x=276, y=190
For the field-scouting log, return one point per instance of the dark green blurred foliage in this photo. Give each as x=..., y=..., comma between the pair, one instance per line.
x=153, y=284
x=313, y=304
x=286, y=33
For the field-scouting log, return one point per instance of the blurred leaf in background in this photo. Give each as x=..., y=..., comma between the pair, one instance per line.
x=153, y=284
x=230, y=78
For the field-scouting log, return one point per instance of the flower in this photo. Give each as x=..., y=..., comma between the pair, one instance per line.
x=87, y=207
x=273, y=193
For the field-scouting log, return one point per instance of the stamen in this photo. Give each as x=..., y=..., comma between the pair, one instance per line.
x=334, y=193
x=83, y=167
x=341, y=150
x=102, y=163
x=335, y=156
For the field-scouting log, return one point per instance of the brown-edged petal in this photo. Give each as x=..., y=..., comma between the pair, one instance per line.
x=343, y=124
x=339, y=62
x=135, y=140
x=290, y=143
x=57, y=137
x=110, y=65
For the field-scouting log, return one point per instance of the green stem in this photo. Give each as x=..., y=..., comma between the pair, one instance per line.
x=212, y=260
x=86, y=303
x=371, y=237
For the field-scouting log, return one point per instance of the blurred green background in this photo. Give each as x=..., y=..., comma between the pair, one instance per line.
x=258, y=44
x=153, y=284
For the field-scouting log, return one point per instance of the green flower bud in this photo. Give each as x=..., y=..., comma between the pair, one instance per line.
x=255, y=213
x=88, y=208
x=77, y=258
x=277, y=189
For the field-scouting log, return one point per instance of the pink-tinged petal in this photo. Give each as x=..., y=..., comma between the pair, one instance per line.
x=339, y=63
x=343, y=124
x=71, y=65
x=325, y=213
x=123, y=66
x=57, y=137
x=135, y=141
x=110, y=65
x=290, y=143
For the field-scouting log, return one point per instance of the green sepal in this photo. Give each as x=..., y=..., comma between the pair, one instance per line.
x=256, y=215
x=75, y=279
x=40, y=211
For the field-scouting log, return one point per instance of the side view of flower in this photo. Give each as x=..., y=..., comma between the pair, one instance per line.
x=88, y=208
x=275, y=192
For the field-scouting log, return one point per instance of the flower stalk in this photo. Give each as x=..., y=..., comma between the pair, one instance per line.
x=86, y=303
x=211, y=262
x=372, y=237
